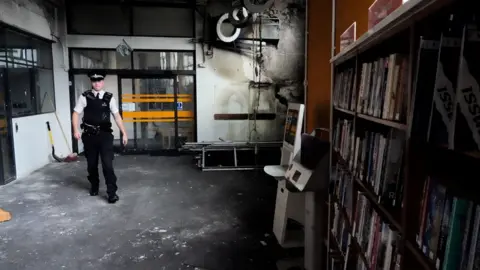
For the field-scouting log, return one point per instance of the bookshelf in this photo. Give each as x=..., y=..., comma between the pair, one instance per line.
x=405, y=140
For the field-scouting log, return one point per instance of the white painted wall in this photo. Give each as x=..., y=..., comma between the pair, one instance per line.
x=222, y=87
x=31, y=143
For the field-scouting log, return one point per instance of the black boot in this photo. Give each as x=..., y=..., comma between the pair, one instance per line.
x=93, y=190
x=113, y=198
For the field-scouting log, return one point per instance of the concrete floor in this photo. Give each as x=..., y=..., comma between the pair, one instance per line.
x=170, y=216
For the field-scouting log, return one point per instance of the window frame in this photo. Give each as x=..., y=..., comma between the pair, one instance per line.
x=132, y=70
x=72, y=50
x=129, y=6
x=33, y=90
x=177, y=71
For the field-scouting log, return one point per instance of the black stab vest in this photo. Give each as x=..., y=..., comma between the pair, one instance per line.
x=97, y=112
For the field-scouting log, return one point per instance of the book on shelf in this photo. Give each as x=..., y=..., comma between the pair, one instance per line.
x=344, y=90
x=376, y=238
x=449, y=228
x=340, y=228
x=377, y=161
x=342, y=137
x=343, y=190
x=383, y=91
x=432, y=210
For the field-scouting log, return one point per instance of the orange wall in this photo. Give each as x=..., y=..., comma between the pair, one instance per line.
x=347, y=12
x=319, y=49
x=318, y=66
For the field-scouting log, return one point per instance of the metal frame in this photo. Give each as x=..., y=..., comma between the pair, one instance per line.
x=204, y=147
x=332, y=87
x=132, y=70
x=305, y=79
x=129, y=5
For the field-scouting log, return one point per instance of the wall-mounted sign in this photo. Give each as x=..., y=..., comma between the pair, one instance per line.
x=179, y=105
x=128, y=107
x=349, y=36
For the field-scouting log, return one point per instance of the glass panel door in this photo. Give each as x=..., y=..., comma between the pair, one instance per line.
x=186, y=108
x=81, y=84
x=148, y=112
x=6, y=143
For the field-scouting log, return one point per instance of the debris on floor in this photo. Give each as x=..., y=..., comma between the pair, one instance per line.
x=170, y=213
x=4, y=215
x=189, y=266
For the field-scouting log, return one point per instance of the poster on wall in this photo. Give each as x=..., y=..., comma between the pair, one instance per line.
x=128, y=107
x=381, y=9
x=349, y=36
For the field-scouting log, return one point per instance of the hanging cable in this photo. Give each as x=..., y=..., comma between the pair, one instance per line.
x=257, y=60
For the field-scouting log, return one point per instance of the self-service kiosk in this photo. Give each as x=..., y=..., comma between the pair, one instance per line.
x=287, y=203
x=308, y=174
x=303, y=185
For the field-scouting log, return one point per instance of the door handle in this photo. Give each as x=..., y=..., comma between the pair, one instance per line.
x=16, y=127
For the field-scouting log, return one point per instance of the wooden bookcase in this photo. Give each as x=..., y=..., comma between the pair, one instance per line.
x=392, y=162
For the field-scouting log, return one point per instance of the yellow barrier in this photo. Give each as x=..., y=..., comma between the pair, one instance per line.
x=156, y=116
x=137, y=100
x=164, y=120
x=155, y=95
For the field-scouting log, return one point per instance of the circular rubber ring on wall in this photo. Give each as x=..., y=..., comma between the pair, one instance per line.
x=221, y=36
x=235, y=20
x=252, y=8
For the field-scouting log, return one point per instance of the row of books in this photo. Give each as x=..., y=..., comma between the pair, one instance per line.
x=342, y=137
x=449, y=229
x=377, y=240
x=344, y=91
x=378, y=160
x=343, y=189
x=382, y=91
x=340, y=229
x=375, y=158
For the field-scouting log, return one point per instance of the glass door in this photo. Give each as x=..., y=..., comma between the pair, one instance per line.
x=81, y=83
x=149, y=112
x=186, y=108
x=6, y=141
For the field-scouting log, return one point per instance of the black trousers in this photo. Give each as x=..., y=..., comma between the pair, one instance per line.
x=100, y=145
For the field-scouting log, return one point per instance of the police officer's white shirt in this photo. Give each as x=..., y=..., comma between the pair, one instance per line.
x=82, y=102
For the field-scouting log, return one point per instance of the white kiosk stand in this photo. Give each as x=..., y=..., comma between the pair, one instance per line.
x=309, y=174
x=288, y=205
x=301, y=188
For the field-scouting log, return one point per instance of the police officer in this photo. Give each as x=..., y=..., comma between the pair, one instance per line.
x=96, y=105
